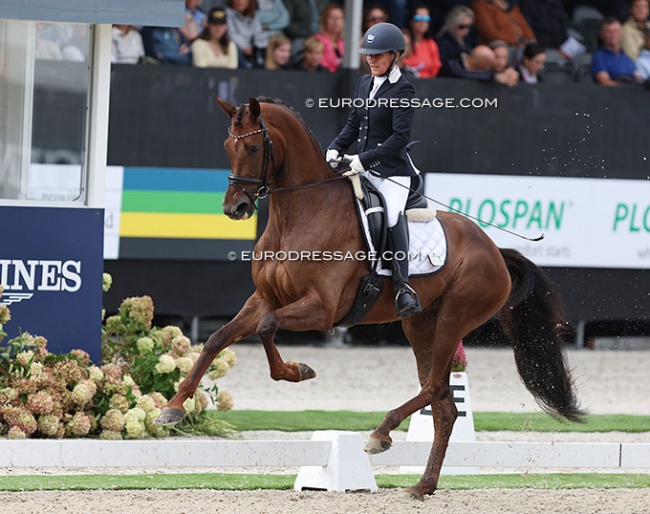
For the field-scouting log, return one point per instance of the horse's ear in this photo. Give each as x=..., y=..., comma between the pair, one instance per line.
x=254, y=108
x=227, y=107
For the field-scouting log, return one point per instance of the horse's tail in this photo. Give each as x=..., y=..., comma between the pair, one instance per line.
x=533, y=319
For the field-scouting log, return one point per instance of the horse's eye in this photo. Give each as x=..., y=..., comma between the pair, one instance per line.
x=254, y=148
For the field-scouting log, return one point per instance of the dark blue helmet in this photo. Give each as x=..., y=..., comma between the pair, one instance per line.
x=382, y=37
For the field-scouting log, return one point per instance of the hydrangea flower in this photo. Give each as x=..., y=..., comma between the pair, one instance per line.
x=24, y=358
x=180, y=345
x=79, y=425
x=144, y=344
x=145, y=403
x=20, y=418
x=189, y=405
x=111, y=435
x=107, y=282
x=49, y=425
x=83, y=393
x=166, y=364
x=229, y=356
x=184, y=364
x=95, y=374
x=113, y=421
x=219, y=368
x=138, y=309
x=16, y=433
x=40, y=402
x=224, y=401
x=5, y=315
x=134, y=425
x=119, y=402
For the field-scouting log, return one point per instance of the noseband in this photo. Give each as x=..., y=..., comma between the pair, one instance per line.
x=263, y=181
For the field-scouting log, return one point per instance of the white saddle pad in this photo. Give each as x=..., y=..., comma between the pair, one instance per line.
x=427, y=246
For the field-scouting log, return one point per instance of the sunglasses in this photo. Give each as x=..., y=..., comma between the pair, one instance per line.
x=420, y=17
x=463, y=27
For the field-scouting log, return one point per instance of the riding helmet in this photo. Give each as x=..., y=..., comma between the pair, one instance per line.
x=382, y=37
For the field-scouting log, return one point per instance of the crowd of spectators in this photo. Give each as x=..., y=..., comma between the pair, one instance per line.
x=505, y=41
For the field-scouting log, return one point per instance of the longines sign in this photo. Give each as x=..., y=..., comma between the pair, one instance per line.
x=51, y=262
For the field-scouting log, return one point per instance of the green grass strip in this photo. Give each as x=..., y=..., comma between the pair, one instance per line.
x=247, y=482
x=191, y=202
x=297, y=421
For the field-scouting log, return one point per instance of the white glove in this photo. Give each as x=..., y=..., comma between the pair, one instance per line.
x=333, y=157
x=355, y=166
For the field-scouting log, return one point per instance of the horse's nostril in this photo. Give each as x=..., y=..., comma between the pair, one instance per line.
x=241, y=208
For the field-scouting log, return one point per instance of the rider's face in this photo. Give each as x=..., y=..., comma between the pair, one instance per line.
x=379, y=63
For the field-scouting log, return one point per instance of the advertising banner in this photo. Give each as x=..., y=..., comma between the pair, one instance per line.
x=587, y=223
x=51, y=263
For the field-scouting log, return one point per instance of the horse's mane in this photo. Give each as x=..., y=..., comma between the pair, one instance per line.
x=281, y=103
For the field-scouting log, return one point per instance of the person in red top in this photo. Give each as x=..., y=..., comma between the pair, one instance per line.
x=331, y=35
x=425, y=58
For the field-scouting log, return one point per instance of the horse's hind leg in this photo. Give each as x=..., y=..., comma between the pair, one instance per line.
x=306, y=313
x=434, y=364
x=241, y=326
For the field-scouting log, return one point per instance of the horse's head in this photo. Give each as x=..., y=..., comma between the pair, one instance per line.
x=251, y=156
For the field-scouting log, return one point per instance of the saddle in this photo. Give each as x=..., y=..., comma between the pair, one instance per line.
x=371, y=207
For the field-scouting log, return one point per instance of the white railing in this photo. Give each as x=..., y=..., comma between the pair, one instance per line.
x=332, y=460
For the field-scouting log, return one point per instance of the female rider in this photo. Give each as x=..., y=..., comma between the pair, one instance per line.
x=381, y=127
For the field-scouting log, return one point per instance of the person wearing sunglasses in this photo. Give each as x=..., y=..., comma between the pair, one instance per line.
x=426, y=56
x=454, y=37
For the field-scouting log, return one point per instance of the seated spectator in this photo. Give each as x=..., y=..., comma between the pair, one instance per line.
x=245, y=29
x=167, y=45
x=214, y=48
x=425, y=58
x=453, y=38
x=304, y=18
x=643, y=61
x=374, y=13
x=548, y=20
x=126, y=45
x=633, y=37
x=532, y=64
x=479, y=64
x=274, y=15
x=407, y=71
x=501, y=54
x=501, y=19
x=278, y=53
x=194, y=20
x=311, y=55
x=331, y=35
x=610, y=66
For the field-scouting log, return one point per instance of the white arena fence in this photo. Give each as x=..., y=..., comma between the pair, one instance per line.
x=331, y=460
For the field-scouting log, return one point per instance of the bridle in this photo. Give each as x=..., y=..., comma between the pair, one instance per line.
x=264, y=180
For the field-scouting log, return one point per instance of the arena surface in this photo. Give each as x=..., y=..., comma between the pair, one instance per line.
x=378, y=379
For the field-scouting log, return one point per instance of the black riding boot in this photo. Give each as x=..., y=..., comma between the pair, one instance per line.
x=407, y=302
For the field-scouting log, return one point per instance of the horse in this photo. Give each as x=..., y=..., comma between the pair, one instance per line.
x=274, y=154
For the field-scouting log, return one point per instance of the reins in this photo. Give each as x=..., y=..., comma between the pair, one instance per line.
x=264, y=180
x=265, y=189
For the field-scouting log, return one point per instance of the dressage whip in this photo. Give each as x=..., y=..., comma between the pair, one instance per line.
x=532, y=239
x=345, y=162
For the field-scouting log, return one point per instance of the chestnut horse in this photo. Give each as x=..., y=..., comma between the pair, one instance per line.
x=273, y=152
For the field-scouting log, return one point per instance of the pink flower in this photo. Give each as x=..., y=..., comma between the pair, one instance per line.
x=459, y=361
x=40, y=403
x=20, y=418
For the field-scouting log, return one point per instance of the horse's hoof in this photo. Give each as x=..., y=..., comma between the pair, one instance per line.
x=374, y=445
x=170, y=416
x=305, y=371
x=415, y=494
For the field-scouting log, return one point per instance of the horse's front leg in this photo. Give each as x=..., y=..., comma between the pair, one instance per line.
x=307, y=313
x=241, y=326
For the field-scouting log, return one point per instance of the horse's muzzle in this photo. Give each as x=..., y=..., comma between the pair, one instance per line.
x=242, y=210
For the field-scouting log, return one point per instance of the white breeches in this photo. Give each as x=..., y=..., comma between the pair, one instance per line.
x=395, y=192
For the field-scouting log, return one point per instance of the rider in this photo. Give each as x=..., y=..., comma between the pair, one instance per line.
x=382, y=130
